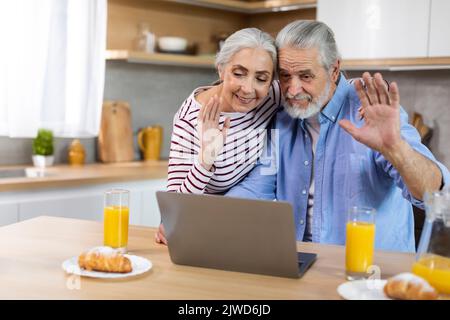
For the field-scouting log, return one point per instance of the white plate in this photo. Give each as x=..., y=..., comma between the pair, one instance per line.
x=140, y=265
x=363, y=290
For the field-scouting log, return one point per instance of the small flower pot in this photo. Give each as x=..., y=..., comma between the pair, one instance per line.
x=42, y=161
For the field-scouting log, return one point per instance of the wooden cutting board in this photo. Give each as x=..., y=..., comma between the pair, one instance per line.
x=115, y=140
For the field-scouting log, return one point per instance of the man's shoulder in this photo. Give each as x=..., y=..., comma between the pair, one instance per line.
x=352, y=95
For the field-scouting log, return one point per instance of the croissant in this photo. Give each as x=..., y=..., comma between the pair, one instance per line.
x=407, y=286
x=104, y=259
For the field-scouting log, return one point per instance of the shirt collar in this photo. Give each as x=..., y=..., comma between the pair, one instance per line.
x=331, y=110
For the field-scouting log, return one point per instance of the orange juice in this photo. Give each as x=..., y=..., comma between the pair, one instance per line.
x=116, y=226
x=436, y=270
x=359, y=246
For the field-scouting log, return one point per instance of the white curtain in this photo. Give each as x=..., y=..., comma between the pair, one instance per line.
x=52, y=66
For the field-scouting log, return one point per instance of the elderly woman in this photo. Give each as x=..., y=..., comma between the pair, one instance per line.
x=219, y=131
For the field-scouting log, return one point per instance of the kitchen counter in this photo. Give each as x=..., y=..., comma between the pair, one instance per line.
x=68, y=176
x=31, y=268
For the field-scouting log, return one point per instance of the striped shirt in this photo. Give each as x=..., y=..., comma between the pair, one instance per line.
x=243, y=146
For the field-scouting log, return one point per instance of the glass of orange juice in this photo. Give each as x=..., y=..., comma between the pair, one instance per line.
x=116, y=219
x=360, y=242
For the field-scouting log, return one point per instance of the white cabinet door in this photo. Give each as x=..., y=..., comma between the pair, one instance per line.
x=440, y=28
x=151, y=216
x=378, y=28
x=77, y=207
x=8, y=213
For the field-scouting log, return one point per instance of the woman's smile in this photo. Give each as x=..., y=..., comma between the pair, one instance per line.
x=244, y=100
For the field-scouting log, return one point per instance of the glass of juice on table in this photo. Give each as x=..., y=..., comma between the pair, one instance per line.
x=116, y=219
x=360, y=242
x=433, y=253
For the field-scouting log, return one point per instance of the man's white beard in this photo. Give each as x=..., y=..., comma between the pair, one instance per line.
x=313, y=107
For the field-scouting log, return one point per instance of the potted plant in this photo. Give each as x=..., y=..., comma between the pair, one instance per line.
x=43, y=148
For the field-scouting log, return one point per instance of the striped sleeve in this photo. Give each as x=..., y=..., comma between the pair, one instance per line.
x=185, y=174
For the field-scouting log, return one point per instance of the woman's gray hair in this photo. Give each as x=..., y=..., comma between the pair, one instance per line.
x=243, y=39
x=307, y=34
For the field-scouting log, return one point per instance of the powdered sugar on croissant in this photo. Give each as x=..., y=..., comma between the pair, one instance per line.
x=408, y=286
x=105, y=259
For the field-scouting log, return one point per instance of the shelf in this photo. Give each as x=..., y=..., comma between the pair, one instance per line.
x=403, y=64
x=202, y=61
x=251, y=7
x=207, y=61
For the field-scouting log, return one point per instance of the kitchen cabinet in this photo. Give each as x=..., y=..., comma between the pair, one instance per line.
x=150, y=215
x=439, y=28
x=9, y=213
x=366, y=29
x=82, y=202
x=389, y=35
x=76, y=206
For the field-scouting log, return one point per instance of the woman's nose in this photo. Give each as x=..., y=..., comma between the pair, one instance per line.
x=247, y=86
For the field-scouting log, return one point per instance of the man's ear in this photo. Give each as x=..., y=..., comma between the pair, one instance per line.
x=335, y=70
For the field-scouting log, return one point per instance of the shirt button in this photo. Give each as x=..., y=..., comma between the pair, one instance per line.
x=302, y=222
x=303, y=191
x=306, y=162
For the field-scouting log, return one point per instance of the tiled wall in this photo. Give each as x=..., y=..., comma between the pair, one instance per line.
x=156, y=92
x=426, y=92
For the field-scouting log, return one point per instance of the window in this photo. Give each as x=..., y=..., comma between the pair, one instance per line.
x=52, y=66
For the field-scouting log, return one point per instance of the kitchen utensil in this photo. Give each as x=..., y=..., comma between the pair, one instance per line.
x=150, y=142
x=173, y=44
x=140, y=265
x=115, y=140
x=424, y=131
x=371, y=289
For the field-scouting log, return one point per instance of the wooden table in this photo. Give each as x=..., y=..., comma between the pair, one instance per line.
x=32, y=251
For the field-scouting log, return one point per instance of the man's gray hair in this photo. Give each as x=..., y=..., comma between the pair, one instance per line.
x=243, y=39
x=307, y=34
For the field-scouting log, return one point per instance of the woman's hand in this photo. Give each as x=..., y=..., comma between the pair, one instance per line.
x=160, y=236
x=212, y=137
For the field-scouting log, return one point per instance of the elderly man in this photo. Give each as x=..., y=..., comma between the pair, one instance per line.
x=340, y=146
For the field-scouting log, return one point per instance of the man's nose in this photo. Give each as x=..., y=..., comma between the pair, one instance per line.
x=295, y=86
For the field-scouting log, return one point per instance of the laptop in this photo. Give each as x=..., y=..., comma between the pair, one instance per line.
x=234, y=234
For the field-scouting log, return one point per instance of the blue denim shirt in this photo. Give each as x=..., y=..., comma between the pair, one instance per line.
x=347, y=173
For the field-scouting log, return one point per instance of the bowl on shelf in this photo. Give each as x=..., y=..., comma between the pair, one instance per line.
x=172, y=44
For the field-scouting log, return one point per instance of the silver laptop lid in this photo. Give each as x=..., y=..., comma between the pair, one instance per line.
x=233, y=234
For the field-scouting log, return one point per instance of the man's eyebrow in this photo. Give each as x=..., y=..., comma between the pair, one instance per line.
x=306, y=71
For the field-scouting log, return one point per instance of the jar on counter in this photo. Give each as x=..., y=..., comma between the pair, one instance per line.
x=77, y=154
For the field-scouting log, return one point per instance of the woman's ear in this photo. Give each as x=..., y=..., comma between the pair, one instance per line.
x=220, y=71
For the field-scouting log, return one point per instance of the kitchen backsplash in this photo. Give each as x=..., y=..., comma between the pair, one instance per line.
x=156, y=92
x=428, y=93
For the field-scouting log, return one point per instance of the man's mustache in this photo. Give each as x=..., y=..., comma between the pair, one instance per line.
x=299, y=97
